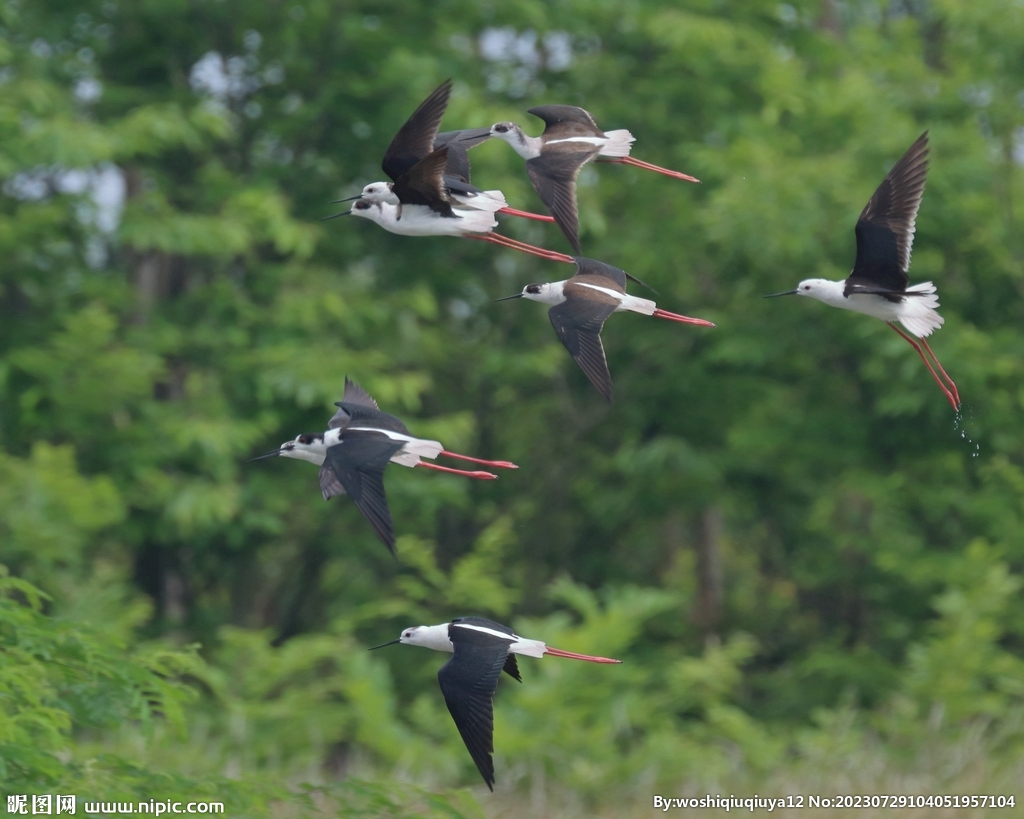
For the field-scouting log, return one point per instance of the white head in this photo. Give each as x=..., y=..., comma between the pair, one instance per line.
x=435, y=637
x=547, y=292
x=824, y=290
x=306, y=447
x=381, y=191
x=816, y=288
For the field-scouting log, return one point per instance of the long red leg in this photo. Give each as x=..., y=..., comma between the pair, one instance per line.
x=505, y=241
x=495, y=464
x=647, y=166
x=949, y=381
x=480, y=476
x=665, y=314
x=927, y=363
x=525, y=214
x=557, y=652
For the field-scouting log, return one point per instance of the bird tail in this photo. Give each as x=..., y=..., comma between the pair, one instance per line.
x=635, y=304
x=489, y=201
x=476, y=221
x=919, y=310
x=619, y=143
x=421, y=448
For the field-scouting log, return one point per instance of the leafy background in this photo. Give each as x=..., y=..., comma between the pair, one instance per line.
x=810, y=567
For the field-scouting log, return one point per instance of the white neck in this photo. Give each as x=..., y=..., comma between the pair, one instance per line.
x=526, y=146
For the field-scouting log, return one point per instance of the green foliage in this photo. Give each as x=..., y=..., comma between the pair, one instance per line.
x=808, y=567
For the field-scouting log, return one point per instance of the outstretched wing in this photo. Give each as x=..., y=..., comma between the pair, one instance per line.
x=885, y=229
x=358, y=463
x=468, y=681
x=578, y=324
x=423, y=183
x=553, y=175
x=415, y=139
x=354, y=396
x=567, y=116
x=466, y=138
x=330, y=486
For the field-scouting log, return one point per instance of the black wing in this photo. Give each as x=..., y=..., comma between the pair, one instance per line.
x=330, y=486
x=423, y=184
x=415, y=139
x=554, y=178
x=468, y=681
x=466, y=138
x=457, y=165
x=578, y=325
x=885, y=229
x=511, y=668
x=358, y=463
x=354, y=396
x=565, y=114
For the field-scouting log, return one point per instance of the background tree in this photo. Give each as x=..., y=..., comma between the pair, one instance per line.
x=810, y=566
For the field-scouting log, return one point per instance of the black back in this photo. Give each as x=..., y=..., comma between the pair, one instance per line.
x=468, y=681
x=358, y=464
x=511, y=666
x=593, y=270
x=415, y=139
x=885, y=229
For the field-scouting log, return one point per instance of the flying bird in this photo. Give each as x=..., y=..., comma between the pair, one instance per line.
x=570, y=140
x=481, y=650
x=411, y=159
x=469, y=223
x=878, y=285
x=580, y=307
x=359, y=443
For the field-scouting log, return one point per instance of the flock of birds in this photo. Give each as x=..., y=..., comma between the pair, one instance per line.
x=430, y=194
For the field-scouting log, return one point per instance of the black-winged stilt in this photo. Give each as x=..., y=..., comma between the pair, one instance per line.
x=582, y=304
x=878, y=283
x=469, y=223
x=481, y=649
x=359, y=443
x=415, y=141
x=570, y=140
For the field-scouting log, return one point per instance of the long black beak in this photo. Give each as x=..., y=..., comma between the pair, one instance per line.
x=336, y=215
x=336, y=201
x=506, y=298
x=374, y=648
x=787, y=293
x=270, y=454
